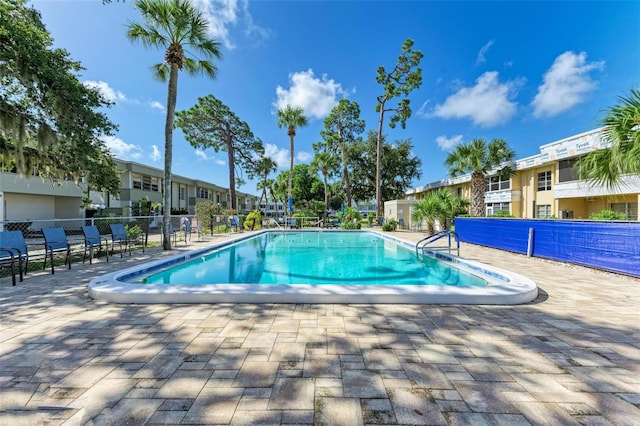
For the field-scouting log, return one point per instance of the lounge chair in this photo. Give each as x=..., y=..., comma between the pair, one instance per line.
x=187, y=231
x=13, y=242
x=293, y=222
x=119, y=236
x=55, y=242
x=92, y=240
x=235, y=223
x=7, y=258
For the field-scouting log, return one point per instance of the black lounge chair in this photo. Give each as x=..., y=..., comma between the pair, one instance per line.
x=55, y=242
x=93, y=240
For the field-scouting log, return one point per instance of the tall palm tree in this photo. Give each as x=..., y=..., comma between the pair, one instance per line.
x=291, y=118
x=622, y=130
x=179, y=28
x=264, y=168
x=479, y=158
x=326, y=163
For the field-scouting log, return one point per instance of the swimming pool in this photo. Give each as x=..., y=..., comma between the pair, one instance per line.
x=301, y=267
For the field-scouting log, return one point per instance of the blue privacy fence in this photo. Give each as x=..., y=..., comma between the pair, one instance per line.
x=612, y=246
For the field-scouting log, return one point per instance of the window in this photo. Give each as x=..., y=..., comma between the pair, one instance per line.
x=629, y=209
x=217, y=198
x=493, y=208
x=459, y=191
x=544, y=211
x=146, y=183
x=182, y=192
x=567, y=170
x=202, y=193
x=544, y=181
x=494, y=183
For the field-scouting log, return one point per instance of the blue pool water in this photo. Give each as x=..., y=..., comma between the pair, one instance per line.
x=315, y=258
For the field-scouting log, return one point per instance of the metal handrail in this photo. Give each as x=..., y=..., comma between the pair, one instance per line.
x=437, y=236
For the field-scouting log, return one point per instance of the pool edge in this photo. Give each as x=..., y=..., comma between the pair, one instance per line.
x=505, y=287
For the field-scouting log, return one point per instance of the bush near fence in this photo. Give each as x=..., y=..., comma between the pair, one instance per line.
x=611, y=246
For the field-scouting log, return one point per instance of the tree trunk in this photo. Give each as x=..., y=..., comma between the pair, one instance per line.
x=232, y=175
x=379, y=203
x=172, y=94
x=345, y=176
x=477, y=194
x=286, y=207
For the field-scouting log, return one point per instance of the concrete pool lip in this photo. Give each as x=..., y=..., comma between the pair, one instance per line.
x=505, y=287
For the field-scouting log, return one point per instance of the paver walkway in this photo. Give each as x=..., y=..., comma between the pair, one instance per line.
x=571, y=357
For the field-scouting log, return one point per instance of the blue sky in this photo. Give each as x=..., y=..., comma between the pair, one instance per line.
x=528, y=72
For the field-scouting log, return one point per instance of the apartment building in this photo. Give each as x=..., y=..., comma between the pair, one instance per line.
x=30, y=198
x=545, y=185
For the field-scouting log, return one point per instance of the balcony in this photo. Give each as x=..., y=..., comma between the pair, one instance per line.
x=629, y=184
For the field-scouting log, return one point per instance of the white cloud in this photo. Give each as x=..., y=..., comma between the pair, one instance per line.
x=113, y=95
x=564, y=84
x=223, y=14
x=486, y=104
x=447, y=144
x=483, y=51
x=304, y=157
x=107, y=91
x=122, y=150
x=156, y=105
x=155, y=153
x=202, y=155
x=316, y=96
x=280, y=156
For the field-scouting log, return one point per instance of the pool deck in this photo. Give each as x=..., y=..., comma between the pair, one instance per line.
x=570, y=357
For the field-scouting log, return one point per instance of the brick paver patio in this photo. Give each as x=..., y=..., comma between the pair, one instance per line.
x=571, y=357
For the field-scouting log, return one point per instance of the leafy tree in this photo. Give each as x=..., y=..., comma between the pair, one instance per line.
x=306, y=186
x=479, y=158
x=48, y=119
x=622, y=130
x=291, y=118
x=341, y=129
x=399, y=168
x=325, y=163
x=441, y=206
x=264, y=167
x=211, y=124
x=174, y=26
x=404, y=77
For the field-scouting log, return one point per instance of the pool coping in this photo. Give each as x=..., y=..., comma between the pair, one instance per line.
x=505, y=287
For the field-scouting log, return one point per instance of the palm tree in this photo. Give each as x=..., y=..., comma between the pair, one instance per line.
x=179, y=28
x=264, y=168
x=441, y=206
x=622, y=130
x=479, y=158
x=291, y=118
x=325, y=163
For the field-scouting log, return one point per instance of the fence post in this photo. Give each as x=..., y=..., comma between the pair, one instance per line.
x=530, y=243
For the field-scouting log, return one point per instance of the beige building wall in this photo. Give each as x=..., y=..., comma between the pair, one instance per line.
x=567, y=199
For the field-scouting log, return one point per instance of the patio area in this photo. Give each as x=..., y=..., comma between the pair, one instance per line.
x=570, y=357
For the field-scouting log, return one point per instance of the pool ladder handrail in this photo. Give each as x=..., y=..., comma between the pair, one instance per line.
x=438, y=236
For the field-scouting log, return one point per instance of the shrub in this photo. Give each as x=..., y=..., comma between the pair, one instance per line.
x=501, y=213
x=133, y=231
x=253, y=220
x=350, y=224
x=390, y=225
x=607, y=215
